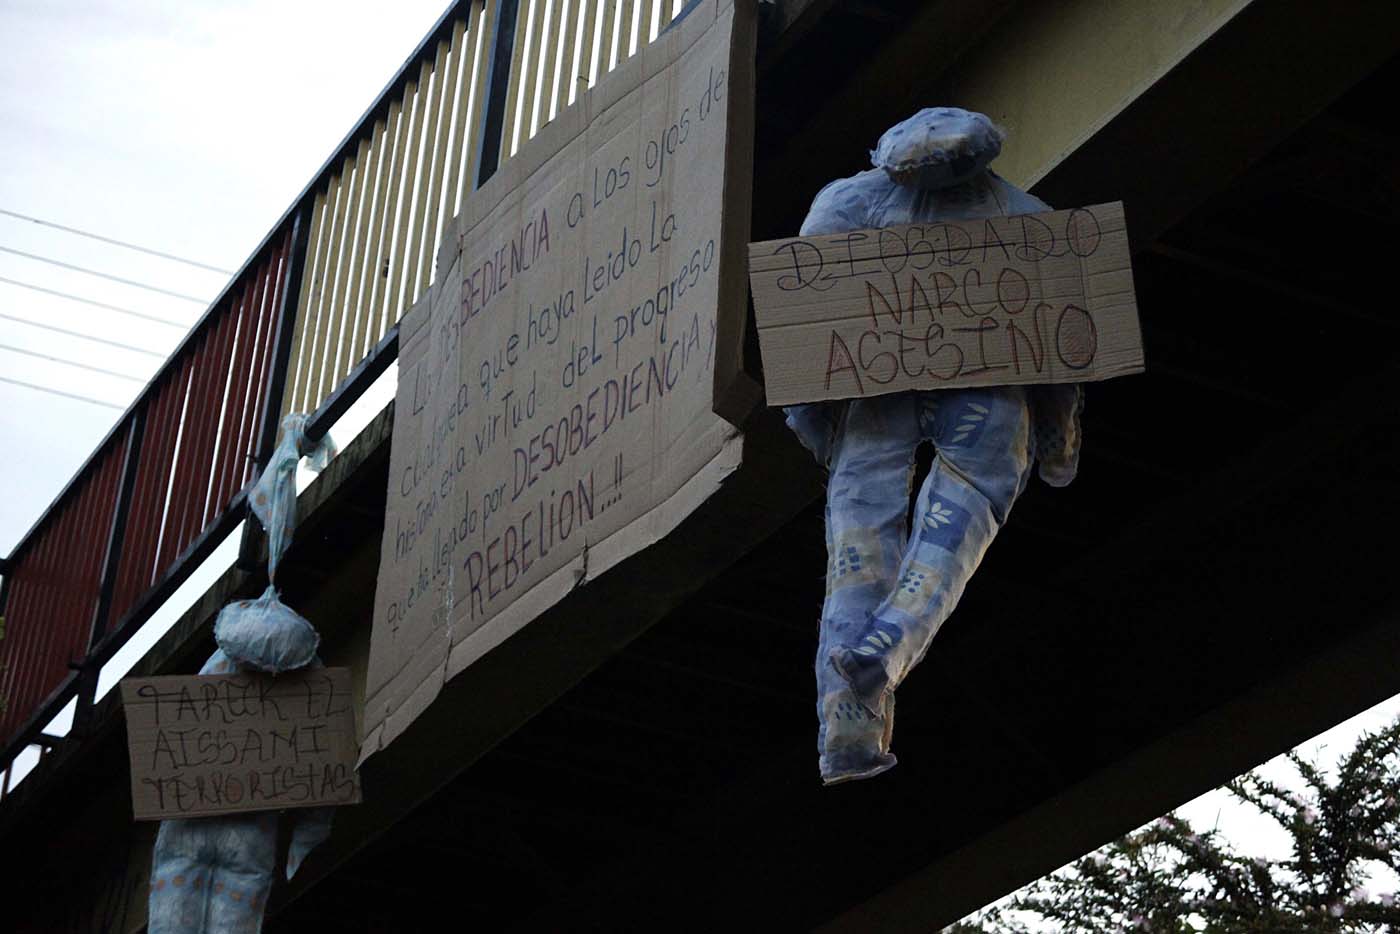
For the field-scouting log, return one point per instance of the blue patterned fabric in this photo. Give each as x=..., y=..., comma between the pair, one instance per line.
x=889, y=588
x=265, y=634
x=274, y=498
x=938, y=147
x=212, y=875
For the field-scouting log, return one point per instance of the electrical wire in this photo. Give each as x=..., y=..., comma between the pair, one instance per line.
x=59, y=392
x=81, y=366
x=121, y=243
x=87, y=301
x=86, y=337
x=103, y=275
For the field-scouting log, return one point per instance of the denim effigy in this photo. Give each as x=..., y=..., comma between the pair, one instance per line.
x=212, y=875
x=890, y=588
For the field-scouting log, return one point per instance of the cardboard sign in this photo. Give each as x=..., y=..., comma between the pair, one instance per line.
x=203, y=745
x=554, y=408
x=1034, y=298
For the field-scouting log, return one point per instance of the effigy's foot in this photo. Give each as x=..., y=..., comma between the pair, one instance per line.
x=840, y=768
x=865, y=673
x=857, y=742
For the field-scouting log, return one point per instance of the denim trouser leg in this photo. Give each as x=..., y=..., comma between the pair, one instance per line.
x=212, y=875
x=872, y=460
x=984, y=455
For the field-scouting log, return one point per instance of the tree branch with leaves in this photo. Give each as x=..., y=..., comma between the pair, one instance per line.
x=1169, y=878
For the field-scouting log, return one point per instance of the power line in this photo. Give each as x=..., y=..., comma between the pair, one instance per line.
x=59, y=392
x=88, y=301
x=83, y=366
x=86, y=337
x=103, y=275
x=121, y=243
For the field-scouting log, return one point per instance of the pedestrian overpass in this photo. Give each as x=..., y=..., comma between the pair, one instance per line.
x=1211, y=591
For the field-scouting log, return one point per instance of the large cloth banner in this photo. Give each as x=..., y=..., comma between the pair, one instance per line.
x=556, y=388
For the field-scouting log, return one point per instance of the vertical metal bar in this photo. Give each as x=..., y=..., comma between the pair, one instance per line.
x=430, y=98
x=463, y=50
x=562, y=46
x=261, y=352
x=488, y=157
x=229, y=459
x=139, y=553
x=382, y=143
x=421, y=235
x=192, y=480
x=284, y=322
x=320, y=214
x=7, y=573
x=583, y=50
x=395, y=131
x=7, y=569
x=58, y=614
x=214, y=390
x=18, y=633
x=116, y=534
x=547, y=39
x=471, y=147
x=446, y=92
x=20, y=600
x=341, y=253
x=95, y=509
x=175, y=489
x=343, y=324
x=405, y=232
x=328, y=256
x=111, y=559
x=608, y=38
x=268, y=311
x=46, y=609
x=23, y=636
x=523, y=24
x=286, y=318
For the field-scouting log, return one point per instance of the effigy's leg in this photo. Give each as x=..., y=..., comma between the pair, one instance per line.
x=867, y=503
x=985, y=450
x=212, y=875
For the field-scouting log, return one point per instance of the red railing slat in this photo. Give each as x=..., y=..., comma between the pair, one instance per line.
x=223, y=417
x=235, y=408
x=175, y=496
x=269, y=337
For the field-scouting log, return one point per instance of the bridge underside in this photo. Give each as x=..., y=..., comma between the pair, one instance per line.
x=1213, y=589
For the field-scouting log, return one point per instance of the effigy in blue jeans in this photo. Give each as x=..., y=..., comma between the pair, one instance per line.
x=890, y=587
x=213, y=875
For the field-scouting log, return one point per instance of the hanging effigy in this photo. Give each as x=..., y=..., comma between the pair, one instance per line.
x=928, y=299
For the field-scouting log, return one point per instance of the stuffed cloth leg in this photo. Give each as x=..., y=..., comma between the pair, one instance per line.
x=984, y=450
x=213, y=874
x=872, y=462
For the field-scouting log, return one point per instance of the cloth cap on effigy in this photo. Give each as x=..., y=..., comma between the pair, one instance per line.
x=938, y=147
x=265, y=634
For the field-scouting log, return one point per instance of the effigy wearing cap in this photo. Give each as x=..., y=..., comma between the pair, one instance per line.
x=938, y=147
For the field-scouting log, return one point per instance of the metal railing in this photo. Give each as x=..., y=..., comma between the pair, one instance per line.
x=307, y=324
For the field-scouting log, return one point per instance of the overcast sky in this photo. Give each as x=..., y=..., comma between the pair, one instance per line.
x=187, y=127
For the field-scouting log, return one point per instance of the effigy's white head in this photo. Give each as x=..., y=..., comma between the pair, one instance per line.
x=938, y=147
